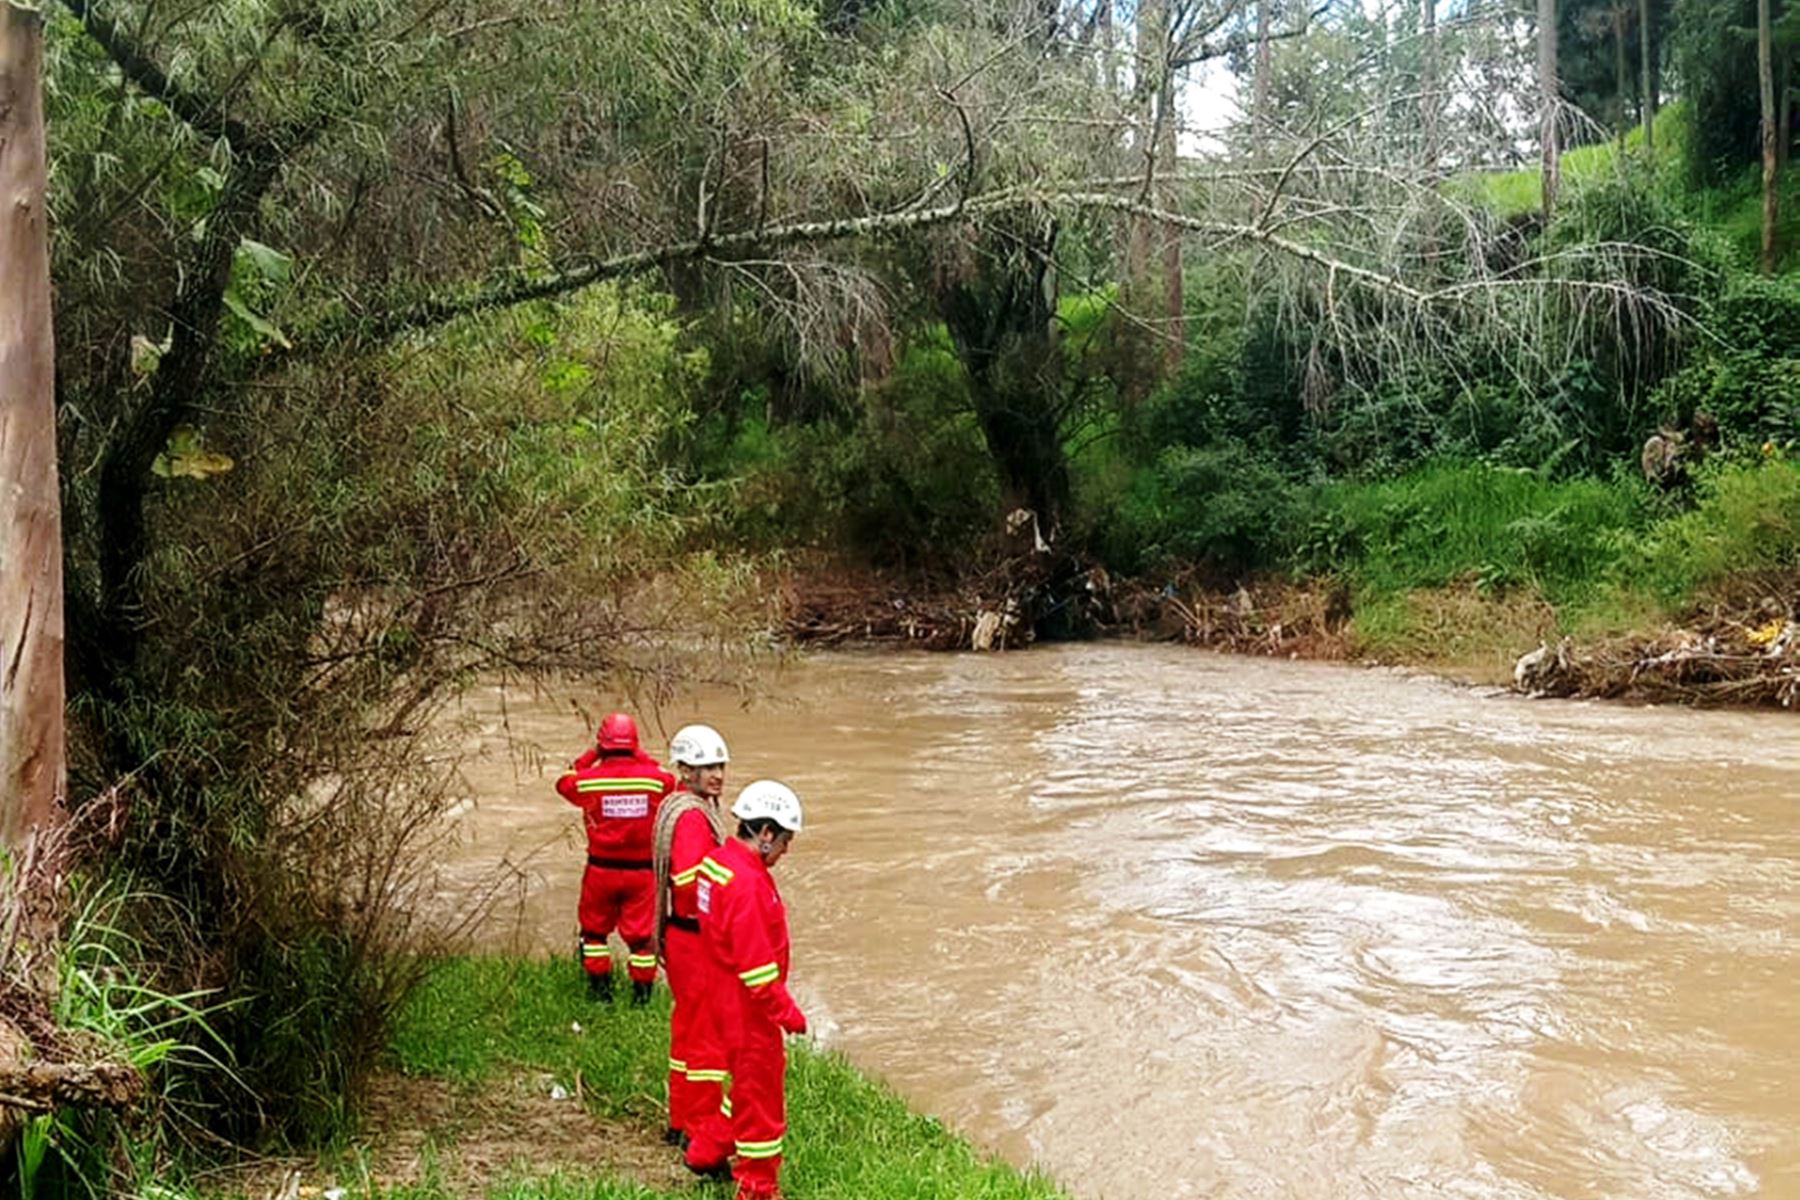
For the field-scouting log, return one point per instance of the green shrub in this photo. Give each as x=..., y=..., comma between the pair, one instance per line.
x=905, y=480
x=1748, y=376
x=1453, y=522
x=1226, y=505
x=1746, y=524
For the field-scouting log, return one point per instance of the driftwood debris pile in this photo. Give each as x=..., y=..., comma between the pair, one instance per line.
x=1728, y=662
x=838, y=610
x=1263, y=617
x=1018, y=600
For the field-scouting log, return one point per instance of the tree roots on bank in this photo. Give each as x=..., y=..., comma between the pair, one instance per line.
x=45, y=1065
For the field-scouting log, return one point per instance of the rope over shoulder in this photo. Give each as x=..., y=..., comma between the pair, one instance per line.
x=663, y=846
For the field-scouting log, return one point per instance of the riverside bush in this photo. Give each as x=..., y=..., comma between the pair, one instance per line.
x=1469, y=521
x=388, y=528
x=905, y=480
x=1748, y=376
x=1745, y=527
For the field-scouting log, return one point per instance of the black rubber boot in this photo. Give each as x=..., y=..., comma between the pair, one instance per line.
x=600, y=988
x=719, y=1170
x=674, y=1137
x=640, y=994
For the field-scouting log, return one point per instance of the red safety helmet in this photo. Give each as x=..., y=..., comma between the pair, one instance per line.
x=618, y=732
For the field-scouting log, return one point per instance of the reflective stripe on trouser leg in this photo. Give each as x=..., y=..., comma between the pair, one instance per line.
x=601, y=908
x=637, y=922
x=692, y=1039
x=596, y=958
x=758, y=1107
x=709, y=1124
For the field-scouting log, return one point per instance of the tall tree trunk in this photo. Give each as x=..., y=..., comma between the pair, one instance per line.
x=1548, y=130
x=1784, y=104
x=31, y=594
x=1430, y=104
x=1001, y=316
x=1109, y=50
x=1261, y=82
x=1174, y=303
x=1765, y=73
x=1621, y=75
x=1152, y=64
x=1646, y=77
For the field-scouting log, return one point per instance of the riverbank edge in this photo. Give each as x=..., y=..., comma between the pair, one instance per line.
x=504, y=1079
x=1743, y=650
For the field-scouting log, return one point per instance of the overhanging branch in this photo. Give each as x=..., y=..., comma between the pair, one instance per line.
x=352, y=331
x=205, y=115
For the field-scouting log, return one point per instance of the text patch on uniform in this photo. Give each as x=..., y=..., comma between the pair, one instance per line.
x=637, y=805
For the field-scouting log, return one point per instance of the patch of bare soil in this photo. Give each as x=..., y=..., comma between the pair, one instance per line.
x=463, y=1140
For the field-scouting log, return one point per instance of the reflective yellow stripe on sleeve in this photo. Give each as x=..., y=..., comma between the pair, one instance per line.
x=683, y=878
x=758, y=976
x=712, y=869
x=619, y=785
x=759, y=1149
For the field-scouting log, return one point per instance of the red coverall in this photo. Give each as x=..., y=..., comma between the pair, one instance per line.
x=618, y=793
x=743, y=926
x=696, y=1060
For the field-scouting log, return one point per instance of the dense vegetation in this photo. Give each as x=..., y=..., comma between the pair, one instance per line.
x=400, y=342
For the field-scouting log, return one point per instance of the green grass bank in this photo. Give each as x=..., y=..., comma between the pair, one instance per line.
x=506, y=1082
x=1598, y=558
x=1464, y=566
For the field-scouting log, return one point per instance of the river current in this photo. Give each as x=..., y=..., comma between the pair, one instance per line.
x=1172, y=925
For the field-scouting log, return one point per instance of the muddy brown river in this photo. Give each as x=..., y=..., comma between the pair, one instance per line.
x=1176, y=925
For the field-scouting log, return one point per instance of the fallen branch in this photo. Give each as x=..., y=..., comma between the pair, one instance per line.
x=45, y=1087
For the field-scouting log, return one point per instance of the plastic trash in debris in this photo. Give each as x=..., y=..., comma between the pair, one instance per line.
x=558, y=1092
x=335, y=1193
x=574, y=1026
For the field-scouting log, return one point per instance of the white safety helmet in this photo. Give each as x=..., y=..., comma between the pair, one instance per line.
x=698, y=746
x=767, y=800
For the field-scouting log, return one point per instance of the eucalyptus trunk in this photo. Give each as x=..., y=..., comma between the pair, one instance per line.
x=1765, y=73
x=1621, y=75
x=1429, y=101
x=1174, y=302
x=1646, y=77
x=31, y=594
x=1548, y=120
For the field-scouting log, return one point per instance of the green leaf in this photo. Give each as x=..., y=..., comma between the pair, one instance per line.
x=266, y=261
x=186, y=457
x=242, y=312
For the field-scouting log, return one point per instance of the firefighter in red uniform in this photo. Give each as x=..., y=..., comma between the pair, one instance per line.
x=689, y=827
x=744, y=929
x=618, y=789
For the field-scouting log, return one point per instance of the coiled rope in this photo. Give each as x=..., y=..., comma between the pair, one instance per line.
x=662, y=848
